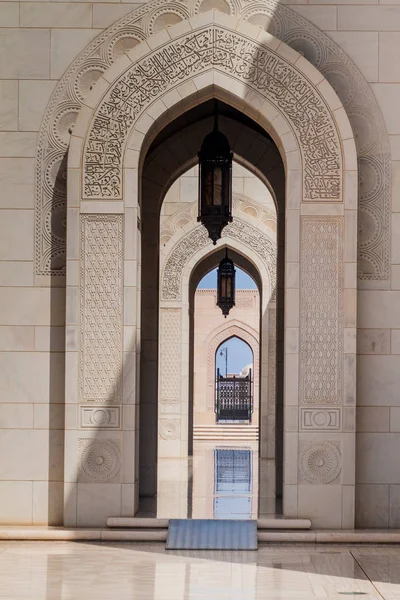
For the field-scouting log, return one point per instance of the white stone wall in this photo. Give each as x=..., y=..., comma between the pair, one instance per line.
x=38, y=40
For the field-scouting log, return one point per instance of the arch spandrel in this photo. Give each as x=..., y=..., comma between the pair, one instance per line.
x=303, y=117
x=197, y=240
x=319, y=49
x=241, y=203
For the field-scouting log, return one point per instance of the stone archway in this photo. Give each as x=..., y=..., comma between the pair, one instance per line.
x=247, y=236
x=216, y=55
x=197, y=239
x=187, y=249
x=285, y=24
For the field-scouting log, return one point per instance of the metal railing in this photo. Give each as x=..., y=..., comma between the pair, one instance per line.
x=233, y=398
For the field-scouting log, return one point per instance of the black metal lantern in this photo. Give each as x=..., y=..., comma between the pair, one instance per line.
x=215, y=182
x=226, y=285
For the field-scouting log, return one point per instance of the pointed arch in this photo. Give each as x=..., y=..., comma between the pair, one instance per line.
x=271, y=84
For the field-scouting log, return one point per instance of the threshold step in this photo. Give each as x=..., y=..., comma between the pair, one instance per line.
x=263, y=523
x=336, y=536
x=225, y=427
x=137, y=522
x=82, y=534
x=282, y=523
x=226, y=437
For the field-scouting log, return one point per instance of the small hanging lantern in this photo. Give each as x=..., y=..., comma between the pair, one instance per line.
x=215, y=182
x=226, y=285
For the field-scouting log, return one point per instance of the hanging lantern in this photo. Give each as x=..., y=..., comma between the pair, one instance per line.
x=226, y=285
x=215, y=182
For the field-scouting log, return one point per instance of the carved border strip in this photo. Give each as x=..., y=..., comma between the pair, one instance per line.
x=321, y=310
x=275, y=78
x=101, y=310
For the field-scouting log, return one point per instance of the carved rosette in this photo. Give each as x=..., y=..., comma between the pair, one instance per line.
x=169, y=429
x=320, y=462
x=99, y=461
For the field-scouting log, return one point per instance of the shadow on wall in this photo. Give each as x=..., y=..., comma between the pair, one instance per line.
x=57, y=355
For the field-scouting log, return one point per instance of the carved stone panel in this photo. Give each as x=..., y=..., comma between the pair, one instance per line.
x=320, y=462
x=320, y=419
x=101, y=316
x=170, y=356
x=169, y=429
x=279, y=81
x=99, y=461
x=321, y=310
x=104, y=417
x=172, y=275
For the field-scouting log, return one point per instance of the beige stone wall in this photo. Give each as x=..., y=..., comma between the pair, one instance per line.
x=185, y=191
x=38, y=40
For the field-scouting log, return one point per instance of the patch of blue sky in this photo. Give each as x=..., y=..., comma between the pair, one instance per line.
x=243, y=281
x=239, y=355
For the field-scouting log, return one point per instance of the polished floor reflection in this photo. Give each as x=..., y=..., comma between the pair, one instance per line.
x=220, y=481
x=233, y=483
x=225, y=480
x=90, y=571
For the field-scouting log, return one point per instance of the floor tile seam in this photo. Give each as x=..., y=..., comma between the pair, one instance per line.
x=366, y=575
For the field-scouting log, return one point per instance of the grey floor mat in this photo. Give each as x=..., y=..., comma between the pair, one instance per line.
x=209, y=534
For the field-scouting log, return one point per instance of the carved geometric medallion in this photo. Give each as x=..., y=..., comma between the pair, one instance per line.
x=99, y=461
x=320, y=462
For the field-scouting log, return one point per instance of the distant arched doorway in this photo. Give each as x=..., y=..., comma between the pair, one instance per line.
x=235, y=398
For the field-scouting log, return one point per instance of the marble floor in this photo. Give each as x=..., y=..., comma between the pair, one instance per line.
x=108, y=571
